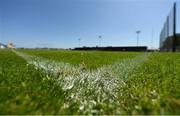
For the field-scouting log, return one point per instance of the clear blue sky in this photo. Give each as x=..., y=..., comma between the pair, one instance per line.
x=59, y=23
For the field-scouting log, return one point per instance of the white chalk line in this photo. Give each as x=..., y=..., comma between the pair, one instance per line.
x=89, y=87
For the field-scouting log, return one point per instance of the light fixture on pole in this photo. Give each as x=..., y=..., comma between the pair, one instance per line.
x=138, y=32
x=152, y=37
x=99, y=40
x=79, y=42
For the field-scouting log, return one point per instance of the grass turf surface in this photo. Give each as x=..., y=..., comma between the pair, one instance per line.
x=92, y=59
x=153, y=88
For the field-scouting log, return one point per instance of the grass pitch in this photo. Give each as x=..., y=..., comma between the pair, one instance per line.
x=75, y=82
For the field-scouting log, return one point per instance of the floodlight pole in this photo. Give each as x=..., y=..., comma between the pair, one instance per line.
x=79, y=42
x=138, y=32
x=99, y=40
x=152, y=37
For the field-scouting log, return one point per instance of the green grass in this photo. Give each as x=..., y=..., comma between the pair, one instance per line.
x=153, y=87
x=24, y=90
x=91, y=59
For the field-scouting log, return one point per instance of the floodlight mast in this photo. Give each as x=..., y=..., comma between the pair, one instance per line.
x=99, y=40
x=79, y=42
x=152, y=37
x=138, y=32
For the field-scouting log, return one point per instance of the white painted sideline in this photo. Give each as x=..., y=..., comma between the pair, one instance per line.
x=89, y=87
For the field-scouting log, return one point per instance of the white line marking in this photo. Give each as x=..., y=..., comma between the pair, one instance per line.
x=89, y=87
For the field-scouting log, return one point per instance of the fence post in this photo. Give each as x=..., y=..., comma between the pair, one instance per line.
x=174, y=28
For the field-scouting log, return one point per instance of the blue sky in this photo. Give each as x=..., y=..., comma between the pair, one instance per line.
x=59, y=23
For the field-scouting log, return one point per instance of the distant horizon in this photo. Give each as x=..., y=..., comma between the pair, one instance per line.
x=77, y=23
